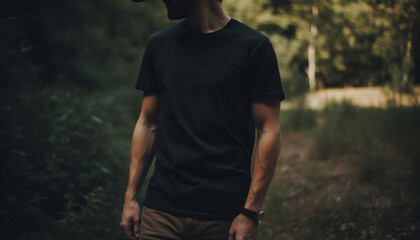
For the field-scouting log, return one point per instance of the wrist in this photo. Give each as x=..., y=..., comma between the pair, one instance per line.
x=256, y=217
x=255, y=207
x=130, y=195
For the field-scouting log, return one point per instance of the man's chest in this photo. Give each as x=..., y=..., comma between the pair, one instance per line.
x=200, y=67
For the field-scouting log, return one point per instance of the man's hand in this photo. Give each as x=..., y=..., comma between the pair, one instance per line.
x=130, y=220
x=243, y=228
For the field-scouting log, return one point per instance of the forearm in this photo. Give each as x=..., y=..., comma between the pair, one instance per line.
x=265, y=161
x=142, y=153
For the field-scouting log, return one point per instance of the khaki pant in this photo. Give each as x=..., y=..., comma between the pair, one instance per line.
x=157, y=225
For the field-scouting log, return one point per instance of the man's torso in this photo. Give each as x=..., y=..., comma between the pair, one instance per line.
x=205, y=129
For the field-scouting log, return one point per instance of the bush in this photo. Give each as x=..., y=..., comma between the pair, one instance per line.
x=65, y=149
x=62, y=165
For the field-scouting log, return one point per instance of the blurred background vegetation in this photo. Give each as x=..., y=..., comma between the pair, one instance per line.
x=68, y=108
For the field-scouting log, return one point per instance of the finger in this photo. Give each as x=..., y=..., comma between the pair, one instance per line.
x=137, y=227
x=128, y=231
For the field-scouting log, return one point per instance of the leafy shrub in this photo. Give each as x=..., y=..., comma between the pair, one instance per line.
x=62, y=164
x=299, y=118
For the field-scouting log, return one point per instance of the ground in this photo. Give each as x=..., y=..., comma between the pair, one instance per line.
x=318, y=197
x=327, y=191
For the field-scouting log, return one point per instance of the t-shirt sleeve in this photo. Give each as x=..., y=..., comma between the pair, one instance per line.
x=147, y=79
x=264, y=77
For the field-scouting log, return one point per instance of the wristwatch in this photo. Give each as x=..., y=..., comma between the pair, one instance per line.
x=257, y=217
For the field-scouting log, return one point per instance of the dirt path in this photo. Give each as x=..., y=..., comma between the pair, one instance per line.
x=317, y=189
x=312, y=197
x=307, y=179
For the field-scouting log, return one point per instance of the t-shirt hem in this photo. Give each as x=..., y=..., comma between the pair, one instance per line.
x=184, y=213
x=146, y=88
x=269, y=95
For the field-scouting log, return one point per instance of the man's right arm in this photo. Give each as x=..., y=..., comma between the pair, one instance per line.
x=142, y=154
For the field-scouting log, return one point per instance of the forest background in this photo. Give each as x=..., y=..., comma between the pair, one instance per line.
x=68, y=108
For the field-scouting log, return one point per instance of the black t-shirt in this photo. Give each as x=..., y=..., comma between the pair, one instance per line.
x=205, y=130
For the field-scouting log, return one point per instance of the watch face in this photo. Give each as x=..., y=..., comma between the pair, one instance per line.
x=260, y=216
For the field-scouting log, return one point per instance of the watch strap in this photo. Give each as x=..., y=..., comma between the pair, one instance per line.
x=250, y=214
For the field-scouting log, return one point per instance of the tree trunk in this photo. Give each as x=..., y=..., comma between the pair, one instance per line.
x=312, y=47
x=407, y=56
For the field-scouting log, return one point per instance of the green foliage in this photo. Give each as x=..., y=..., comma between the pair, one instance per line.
x=358, y=43
x=64, y=147
x=338, y=129
x=398, y=74
x=382, y=140
x=299, y=118
x=97, y=44
x=379, y=148
x=296, y=85
x=63, y=162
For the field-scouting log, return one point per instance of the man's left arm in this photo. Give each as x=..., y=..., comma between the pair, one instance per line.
x=266, y=114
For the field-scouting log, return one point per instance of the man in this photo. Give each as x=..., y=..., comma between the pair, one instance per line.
x=208, y=81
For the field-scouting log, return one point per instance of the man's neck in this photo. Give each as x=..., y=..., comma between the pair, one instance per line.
x=207, y=16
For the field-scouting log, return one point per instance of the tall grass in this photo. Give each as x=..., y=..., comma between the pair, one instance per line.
x=380, y=150
x=384, y=142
